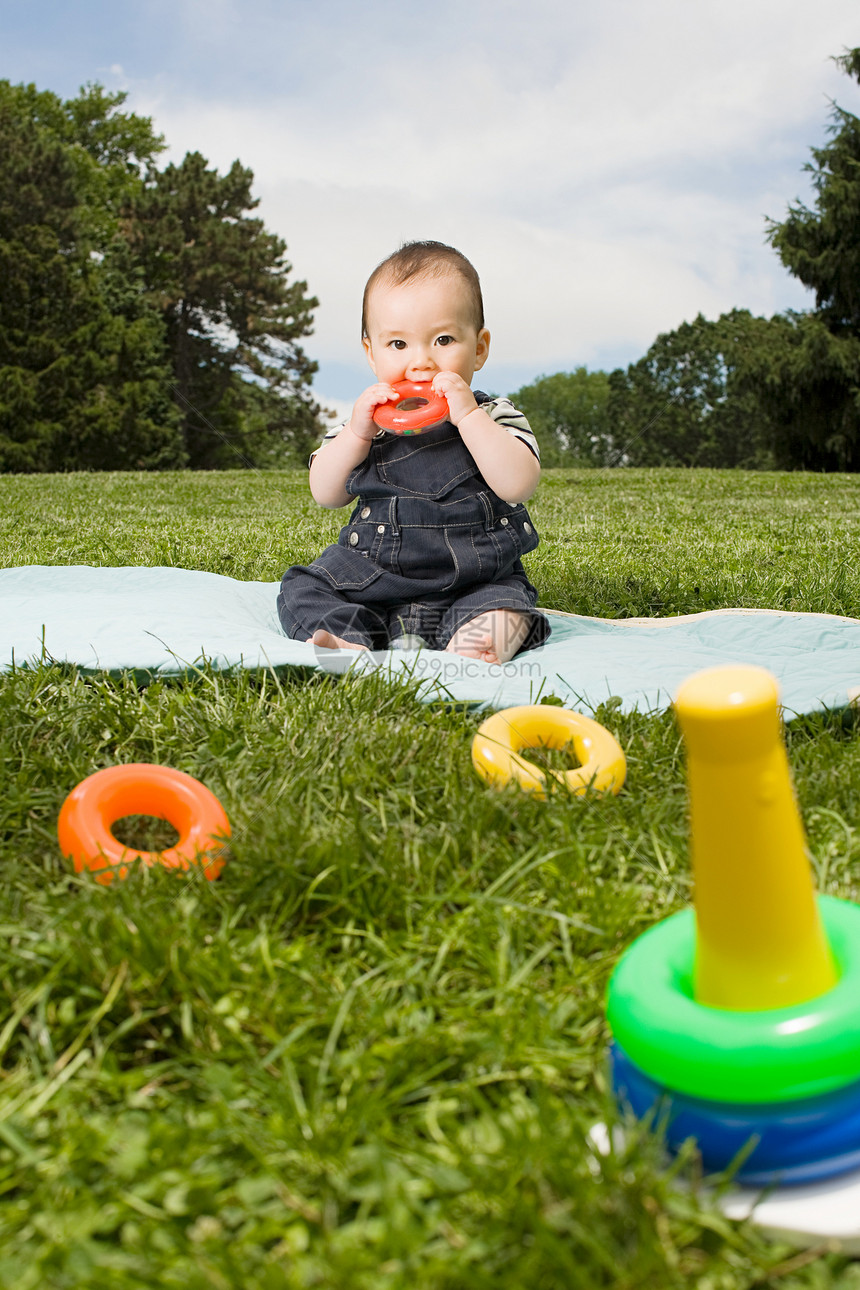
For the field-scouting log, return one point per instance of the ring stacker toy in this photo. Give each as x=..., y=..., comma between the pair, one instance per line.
x=418, y=408
x=741, y=1020
x=500, y=739
x=90, y=810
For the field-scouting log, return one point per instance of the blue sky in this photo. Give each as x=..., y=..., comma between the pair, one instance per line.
x=607, y=167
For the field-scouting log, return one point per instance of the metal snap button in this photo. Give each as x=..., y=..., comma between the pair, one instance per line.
x=365, y=511
x=353, y=539
x=503, y=520
x=380, y=528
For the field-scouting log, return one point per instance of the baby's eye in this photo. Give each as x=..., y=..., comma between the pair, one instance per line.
x=444, y=340
x=397, y=344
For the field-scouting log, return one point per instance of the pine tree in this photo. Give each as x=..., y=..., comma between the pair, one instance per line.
x=233, y=319
x=812, y=382
x=147, y=321
x=83, y=378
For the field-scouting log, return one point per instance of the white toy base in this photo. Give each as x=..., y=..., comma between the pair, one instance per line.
x=804, y=1215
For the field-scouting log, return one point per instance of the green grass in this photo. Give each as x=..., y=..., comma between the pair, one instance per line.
x=614, y=543
x=367, y=1057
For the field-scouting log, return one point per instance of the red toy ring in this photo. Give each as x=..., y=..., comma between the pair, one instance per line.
x=86, y=816
x=418, y=408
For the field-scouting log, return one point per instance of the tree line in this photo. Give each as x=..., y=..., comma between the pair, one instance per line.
x=758, y=393
x=148, y=320
x=147, y=316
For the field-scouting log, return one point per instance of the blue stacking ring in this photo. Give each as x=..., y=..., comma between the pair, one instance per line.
x=800, y=1141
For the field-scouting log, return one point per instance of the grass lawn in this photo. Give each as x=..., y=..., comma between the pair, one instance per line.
x=367, y=1057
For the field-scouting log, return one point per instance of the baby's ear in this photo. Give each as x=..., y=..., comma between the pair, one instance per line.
x=368, y=349
x=482, y=349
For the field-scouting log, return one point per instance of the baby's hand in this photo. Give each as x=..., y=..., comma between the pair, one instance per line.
x=461, y=400
x=361, y=422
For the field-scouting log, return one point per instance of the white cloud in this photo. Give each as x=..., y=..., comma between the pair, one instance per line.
x=608, y=168
x=335, y=411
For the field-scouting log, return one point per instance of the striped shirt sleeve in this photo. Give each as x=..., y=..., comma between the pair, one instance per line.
x=505, y=414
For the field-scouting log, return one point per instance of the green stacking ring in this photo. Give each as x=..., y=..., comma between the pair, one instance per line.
x=777, y=1055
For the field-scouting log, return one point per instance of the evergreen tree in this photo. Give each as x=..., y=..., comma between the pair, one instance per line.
x=805, y=381
x=40, y=303
x=813, y=381
x=821, y=247
x=146, y=320
x=82, y=378
x=232, y=318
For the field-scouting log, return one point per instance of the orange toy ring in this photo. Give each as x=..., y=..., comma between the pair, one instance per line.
x=86, y=817
x=501, y=737
x=418, y=408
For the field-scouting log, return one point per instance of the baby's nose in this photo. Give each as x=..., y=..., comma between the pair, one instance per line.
x=422, y=361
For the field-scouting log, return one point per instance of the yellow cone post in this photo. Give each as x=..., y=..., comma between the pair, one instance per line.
x=760, y=942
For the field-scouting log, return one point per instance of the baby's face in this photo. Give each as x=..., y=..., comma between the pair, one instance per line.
x=422, y=327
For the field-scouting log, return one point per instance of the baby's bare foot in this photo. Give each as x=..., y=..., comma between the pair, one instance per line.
x=327, y=640
x=479, y=647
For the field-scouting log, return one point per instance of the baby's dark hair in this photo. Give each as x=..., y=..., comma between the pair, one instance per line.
x=425, y=260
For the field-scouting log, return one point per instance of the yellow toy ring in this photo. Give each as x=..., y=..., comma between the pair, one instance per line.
x=502, y=736
x=86, y=817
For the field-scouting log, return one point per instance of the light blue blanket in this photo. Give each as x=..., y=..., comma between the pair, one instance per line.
x=165, y=621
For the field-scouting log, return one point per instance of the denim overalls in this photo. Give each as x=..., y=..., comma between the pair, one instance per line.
x=428, y=547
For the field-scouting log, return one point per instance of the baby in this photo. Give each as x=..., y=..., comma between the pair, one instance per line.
x=431, y=554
